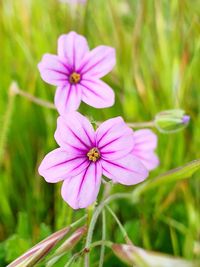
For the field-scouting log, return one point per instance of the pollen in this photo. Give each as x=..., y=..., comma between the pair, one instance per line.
x=93, y=154
x=74, y=78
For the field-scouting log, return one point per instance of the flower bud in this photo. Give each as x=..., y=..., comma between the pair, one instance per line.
x=170, y=121
x=71, y=242
x=136, y=256
x=40, y=250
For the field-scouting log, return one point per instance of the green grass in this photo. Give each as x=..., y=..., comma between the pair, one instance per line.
x=158, y=64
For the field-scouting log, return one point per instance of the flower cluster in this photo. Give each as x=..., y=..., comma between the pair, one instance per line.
x=85, y=155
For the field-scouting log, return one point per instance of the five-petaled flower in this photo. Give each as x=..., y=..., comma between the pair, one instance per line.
x=76, y=72
x=85, y=155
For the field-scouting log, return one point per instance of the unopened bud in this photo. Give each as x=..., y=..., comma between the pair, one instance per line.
x=71, y=242
x=123, y=252
x=136, y=256
x=40, y=250
x=170, y=121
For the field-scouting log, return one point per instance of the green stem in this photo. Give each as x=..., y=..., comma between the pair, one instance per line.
x=34, y=99
x=105, y=243
x=73, y=258
x=124, y=233
x=101, y=260
x=50, y=105
x=147, y=124
x=78, y=221
x=84, y=251
x=95, y=217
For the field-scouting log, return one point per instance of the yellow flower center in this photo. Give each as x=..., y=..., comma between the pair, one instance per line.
x=74, y=78
x=93, y=154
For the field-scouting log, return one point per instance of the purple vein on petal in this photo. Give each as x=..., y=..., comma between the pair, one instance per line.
x=86, y=160
x=110, y=152
x=93, y=66
x=91, y=142
x=122, y=167
x=68, y=94
x=64, y=162
x=58, y=71
x=96, y=172
x=110, y=142
x=74, y=53
x=84, y=151
x=81, y=184
x=106, y=170
x=104, y=134
x=74, y=134
x=65, y=66
x=93, y=92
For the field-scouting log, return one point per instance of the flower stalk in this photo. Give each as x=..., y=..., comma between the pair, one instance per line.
x=50, y=105
x=102, y=252
x=122, y=229
x=16, y=91
x=166, y=122
x=94, y=219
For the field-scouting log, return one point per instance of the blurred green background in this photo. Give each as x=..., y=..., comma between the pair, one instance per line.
x=158, y=68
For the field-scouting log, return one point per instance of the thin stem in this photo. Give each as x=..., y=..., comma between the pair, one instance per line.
x=50, y=105
x=86, y=260
x=95, y=217
x=78, y=221
x=101, y=260
x=84, y=251
x=33, y=99
x=147, y=124
x=73, y=258
x=105, y=243
x=124, y=233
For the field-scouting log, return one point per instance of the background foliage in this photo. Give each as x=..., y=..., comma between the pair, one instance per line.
x=158, y=62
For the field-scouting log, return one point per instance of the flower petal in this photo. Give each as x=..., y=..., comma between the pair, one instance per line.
x=53, y=70
x=59, y=164
x=148, y=158
x=67, y=98
x=72, y=47
x=128, y=170
x=145, y=143
x=114, y=139
x=98, y=62
x=145, y=139
x=97, y=93
x=75, y=133
x=82, y=190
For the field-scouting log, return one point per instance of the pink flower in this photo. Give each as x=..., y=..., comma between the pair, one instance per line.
x=85, y=155
x=145, y=144
x=76, y=72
